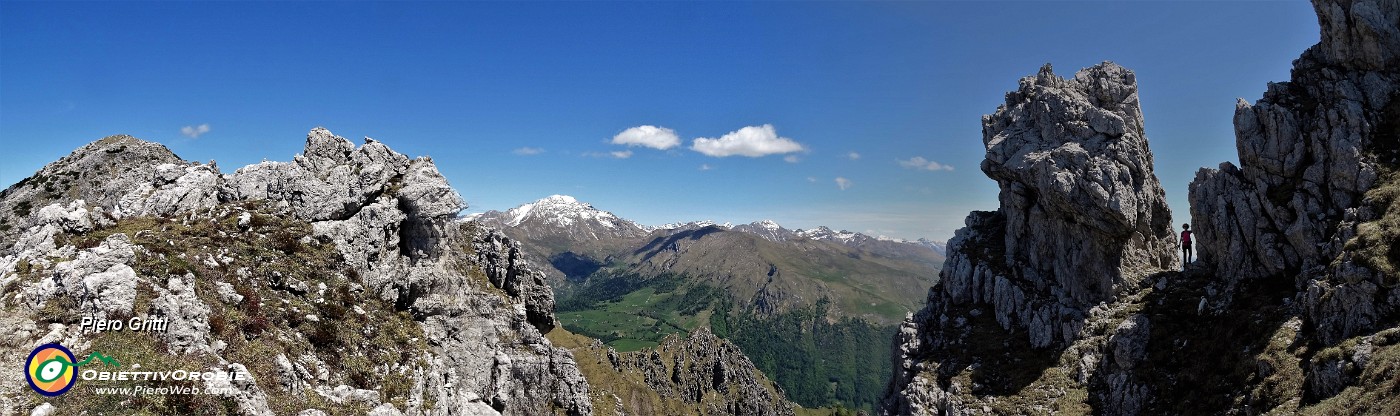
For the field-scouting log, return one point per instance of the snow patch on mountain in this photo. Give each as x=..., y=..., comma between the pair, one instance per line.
x=688, y=225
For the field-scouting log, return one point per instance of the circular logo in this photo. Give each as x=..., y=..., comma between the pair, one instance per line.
x=50, y=370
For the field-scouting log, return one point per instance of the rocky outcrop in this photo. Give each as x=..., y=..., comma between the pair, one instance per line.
x=100, y=173
x=1293, y=305
x=186, y=316
x=391, y=217
x=705, y=365
x=479, y=307
x=1085, y=215
x=492, y=351
x=504, y=265
x=698, y=374
x=332, y=180
x=1082, y=216
x=1309, y=151
x=99, y=278
x=1082, y=221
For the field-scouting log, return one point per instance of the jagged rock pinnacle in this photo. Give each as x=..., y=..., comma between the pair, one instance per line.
x=1082, y=220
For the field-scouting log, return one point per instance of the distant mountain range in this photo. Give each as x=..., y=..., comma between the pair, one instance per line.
x=877, y=278
x=814, y=309
x=581, y=221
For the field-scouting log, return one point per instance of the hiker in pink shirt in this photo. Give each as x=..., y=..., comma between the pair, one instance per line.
x=1186, y=243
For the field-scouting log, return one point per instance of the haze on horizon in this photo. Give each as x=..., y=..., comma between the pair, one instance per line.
x=857, y=116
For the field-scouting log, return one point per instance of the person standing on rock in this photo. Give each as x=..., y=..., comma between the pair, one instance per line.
x=1185, y=244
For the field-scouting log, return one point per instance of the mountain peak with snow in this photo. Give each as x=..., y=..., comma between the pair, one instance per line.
x=560, y=210
x=767, y=229
x=562, y=214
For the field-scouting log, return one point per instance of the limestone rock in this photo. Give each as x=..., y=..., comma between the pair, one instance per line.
x=430, y=204
x=330, y=181
x=249, y=398
x=72, y=218
x=100, y=173
x=1360, y=34
x=44, y=409
x=287, y=375
x=1083, y=221
x=1082, y=216
x=505, y=267
x=369, y=240
x=1085, y=215
x=484, y=349
x=1309, y=151
x=703, y=366
x=343, y=394
x=385, y=409
x=227, y=293
x=481, y=305
x=1124, y=394
x=1281, y=239
x=187, y=317
x=1129, y=341
x=98, y=280
x=175, y=189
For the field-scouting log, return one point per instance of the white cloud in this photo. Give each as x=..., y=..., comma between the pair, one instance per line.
x=649, y=136
x=853, y=155
x=751, y=141
x=811, y=179
x=194, y=132
x=528, y=151
x=919, y=163
x=706, y=166
x=791, y=159
x=843, y=183
x=621, y=154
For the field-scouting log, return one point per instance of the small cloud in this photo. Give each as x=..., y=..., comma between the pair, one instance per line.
x=623, y=154
x=853, y=156
x=811, y=179
x=194, y=132
x=648, y=136
x=528, y=151
x=751, y=141
x=706, y=166
x=843, y=183
x=791, y=159
x=919, y=163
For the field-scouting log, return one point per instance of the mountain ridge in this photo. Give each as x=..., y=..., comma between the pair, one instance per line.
x=339, y=281
x=771, y=290
x=568, y=235
x=565, y=210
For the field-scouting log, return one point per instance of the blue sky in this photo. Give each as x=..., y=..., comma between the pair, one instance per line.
x=517, y=101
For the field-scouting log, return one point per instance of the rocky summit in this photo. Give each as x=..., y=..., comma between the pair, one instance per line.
x=340, y=281
x=1067, y=299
